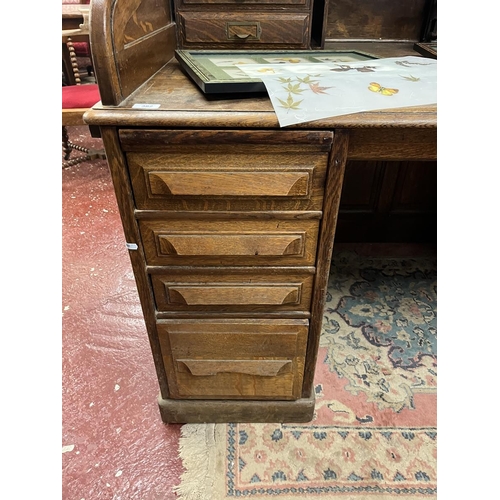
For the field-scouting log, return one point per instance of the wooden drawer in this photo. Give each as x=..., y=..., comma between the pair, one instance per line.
x=227, y=170
x=229, y=242
x=235, y=359
x=244, y=29
x=233, y=290
x=246, y=4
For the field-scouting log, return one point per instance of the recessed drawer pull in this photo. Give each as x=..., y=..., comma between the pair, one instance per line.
x=243, y=31
x=260, y=367
x=229, y=183
x=240, y=290
x=214, y=294
x=231, y=244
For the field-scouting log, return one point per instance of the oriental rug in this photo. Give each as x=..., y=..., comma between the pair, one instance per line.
x=374, y=432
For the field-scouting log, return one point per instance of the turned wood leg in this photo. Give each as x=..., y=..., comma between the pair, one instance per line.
x=74, y=61
x=78, y=148
x=66, y=145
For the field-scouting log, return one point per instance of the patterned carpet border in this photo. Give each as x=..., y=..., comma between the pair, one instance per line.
x=374, y=433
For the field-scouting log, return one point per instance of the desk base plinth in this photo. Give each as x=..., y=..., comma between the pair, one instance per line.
x=223, y=411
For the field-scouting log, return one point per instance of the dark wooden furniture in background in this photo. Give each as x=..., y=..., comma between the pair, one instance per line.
x=427, y=45
x=229, y=219
x=251, y=24
x=375, y=21
x=385, y=201
x=388, y=201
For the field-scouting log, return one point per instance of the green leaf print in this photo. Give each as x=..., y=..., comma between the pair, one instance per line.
x=294, y=89
x=290, y=103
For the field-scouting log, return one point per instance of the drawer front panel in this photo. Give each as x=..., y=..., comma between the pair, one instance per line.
x=229, y=242
x=244, y=29
x=234, y=181
x=224, y=291
x=231, y=183
x=261, y=359
x=250, y=4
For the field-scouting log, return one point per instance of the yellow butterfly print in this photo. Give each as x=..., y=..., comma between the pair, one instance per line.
x=376, y=87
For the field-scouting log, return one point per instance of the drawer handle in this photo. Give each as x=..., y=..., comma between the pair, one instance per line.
x=236, y=244
x=241, y=295
x=259, y=367
x=229, y=183
x=243, y=31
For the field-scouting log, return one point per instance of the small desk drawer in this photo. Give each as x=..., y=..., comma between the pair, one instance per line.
x=233, y=290
x=229, y=242
x=260, y=359
x=227, y=170
x=246, y=4
x=244, y=29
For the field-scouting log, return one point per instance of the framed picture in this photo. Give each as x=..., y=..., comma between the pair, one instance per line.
x=217, y=72
x=427, y=49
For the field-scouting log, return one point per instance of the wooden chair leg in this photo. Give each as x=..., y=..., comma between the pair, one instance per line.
x=74, y=161
x=74, y=61
x=68, y=146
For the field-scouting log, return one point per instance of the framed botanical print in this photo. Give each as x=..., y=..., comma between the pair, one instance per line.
x=218, y=71
x=428, y=49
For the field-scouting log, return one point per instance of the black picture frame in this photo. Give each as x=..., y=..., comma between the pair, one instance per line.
x=215, y=78
x=426, y=49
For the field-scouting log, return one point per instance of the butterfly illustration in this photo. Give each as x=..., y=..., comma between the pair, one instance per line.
x=376, y=87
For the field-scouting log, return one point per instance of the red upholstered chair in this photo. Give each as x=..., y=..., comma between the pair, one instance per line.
x=81, y=48
x=76, y=100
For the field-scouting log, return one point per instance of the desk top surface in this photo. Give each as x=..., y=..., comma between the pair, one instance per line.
x=180, y=103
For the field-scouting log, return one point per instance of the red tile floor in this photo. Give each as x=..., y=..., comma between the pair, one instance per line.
x=115, y=445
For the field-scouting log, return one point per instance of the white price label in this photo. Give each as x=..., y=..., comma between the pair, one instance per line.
x=146, y=106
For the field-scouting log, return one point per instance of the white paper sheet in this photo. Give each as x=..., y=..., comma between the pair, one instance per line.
x=304, y=92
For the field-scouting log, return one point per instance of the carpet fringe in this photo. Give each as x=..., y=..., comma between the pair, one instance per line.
x=197, y=449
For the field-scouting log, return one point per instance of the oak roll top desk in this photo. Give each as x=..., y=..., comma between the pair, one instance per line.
x=229, y=219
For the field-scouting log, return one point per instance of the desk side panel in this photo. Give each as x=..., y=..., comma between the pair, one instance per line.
x=130, y=40
x=331, y=202
x=123, y=191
